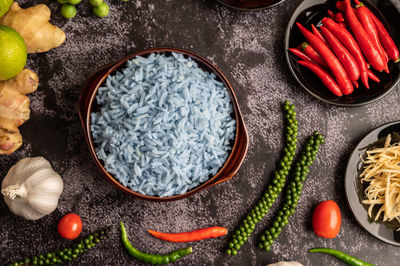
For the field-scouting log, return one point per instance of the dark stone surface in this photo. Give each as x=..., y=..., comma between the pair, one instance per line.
x=248, y=49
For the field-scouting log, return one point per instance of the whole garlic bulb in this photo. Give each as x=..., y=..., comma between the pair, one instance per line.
x=32, y=188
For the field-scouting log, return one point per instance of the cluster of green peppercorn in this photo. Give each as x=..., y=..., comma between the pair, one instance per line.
x=293, y=191
x=261, y=208
x=66, y=254
x=68, y=9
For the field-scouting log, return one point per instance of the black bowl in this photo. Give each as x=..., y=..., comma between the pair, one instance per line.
x=354, y=188
x=250, y=5
x=311, y=12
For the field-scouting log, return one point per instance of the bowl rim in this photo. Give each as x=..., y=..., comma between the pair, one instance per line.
x=250, y=9
x=211, y=68
x=287, y=57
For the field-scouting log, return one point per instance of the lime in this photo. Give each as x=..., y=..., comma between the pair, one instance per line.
x=5, y=6
x=13, y=53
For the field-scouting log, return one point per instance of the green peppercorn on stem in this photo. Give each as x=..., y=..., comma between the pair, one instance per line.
x=293, y=191
x=66, y=254
x=261, y=208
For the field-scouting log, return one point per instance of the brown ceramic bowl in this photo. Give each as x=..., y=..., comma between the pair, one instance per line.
x=87, y=104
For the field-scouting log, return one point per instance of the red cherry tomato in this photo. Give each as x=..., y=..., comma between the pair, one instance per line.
x=327, y=219
x=70, y=226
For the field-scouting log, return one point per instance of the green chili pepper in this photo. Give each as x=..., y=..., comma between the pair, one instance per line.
x=350, y=260
x=152, y=258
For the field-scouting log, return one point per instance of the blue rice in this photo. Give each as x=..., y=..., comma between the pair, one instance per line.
x=164, y=127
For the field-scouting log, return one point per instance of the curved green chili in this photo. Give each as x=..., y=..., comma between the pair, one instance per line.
x=342, y=256
x=152, y=258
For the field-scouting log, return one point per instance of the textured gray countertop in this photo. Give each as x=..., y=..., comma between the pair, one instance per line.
x=248, y=48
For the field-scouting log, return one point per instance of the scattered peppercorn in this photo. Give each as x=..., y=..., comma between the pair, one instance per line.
x=247, y=225
x=66, y=254
x=293, y=191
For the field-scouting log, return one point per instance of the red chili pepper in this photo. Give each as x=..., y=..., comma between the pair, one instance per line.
x=386, y=41
x=310, y=52
x=330, y=14
x=340, y=6
x=300, y=54
x=344, y=56
x=330, y=59
x=373, y=77
x=328, y=81
x=355, y=83
x=351, y=45
x=369, y=26
x=317, y=33
x=211, y=232
x=339, y=17
x=371, y=52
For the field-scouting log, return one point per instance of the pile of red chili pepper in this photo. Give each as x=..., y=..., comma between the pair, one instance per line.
x=343, y=49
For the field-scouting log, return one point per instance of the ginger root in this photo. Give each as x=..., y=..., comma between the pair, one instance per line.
x=14, y=108
x=34, y=26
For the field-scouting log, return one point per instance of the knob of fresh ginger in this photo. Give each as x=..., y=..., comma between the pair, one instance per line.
x=14, y=108
x=34, y=26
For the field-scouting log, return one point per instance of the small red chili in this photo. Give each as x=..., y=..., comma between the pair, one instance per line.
x=210, y=232
x=355, y=83
x=340, y=6
x=328, y=81
x=300, y=54
x=369, y=26
x=330, y=59
x=331, y=14
x=371, y=52
x=344, y=56
x=386, y=40
x=348, y=41
x=310, y=52
x=318, y=33
x=373, y=77
x=339, y=17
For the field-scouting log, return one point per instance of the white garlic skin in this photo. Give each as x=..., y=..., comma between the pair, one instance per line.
x=32, y=188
